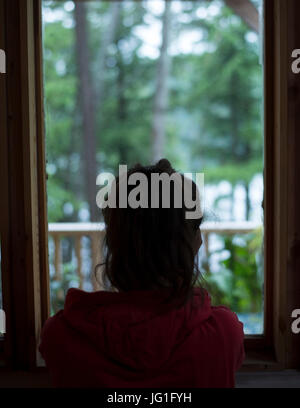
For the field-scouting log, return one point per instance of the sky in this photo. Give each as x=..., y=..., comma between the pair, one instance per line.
x=150, y=33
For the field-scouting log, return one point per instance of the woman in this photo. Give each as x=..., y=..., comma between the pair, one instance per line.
x=154, y=325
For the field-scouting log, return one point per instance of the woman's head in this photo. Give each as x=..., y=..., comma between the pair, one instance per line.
x=153, y=248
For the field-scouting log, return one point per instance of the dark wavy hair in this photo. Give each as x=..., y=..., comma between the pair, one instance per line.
x=151, y=248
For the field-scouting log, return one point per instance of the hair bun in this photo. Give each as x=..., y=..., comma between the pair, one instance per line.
x=164, y=165
x=137, y=166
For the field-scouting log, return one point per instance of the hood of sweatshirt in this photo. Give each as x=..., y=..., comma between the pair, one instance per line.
x=134, y=328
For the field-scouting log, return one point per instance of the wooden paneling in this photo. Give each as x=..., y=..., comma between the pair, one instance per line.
x=293, y=182
x=268, y=61
x=4, y=201
x=25, y=238
x=41, y=162
x=282, y=176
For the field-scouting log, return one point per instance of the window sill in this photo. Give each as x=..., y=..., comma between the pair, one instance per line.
x=260, y=360
x=275, y=379
x=253, y=379
x=24, y=379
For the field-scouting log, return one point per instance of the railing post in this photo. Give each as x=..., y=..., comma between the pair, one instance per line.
x=96, y=246
x=79, y=260
x=206, y=243
x=206, y=249
x=57, y=257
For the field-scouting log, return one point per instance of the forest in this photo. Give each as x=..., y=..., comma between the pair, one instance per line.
x=134, y=81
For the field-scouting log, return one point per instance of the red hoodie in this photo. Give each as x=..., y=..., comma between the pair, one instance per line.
x=113, y=339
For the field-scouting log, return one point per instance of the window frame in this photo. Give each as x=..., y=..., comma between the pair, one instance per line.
x=24, y=234
x=24, y=239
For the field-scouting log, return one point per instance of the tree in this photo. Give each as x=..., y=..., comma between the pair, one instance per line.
x=204, y=113
x=91, y=93
x=223, y=92
x=87, y=102
x=114, y=14
x=161, y=91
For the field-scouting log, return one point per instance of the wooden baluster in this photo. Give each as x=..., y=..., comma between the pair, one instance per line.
x=79, y=260
x=206, y=248
x=101, y=257
x=96, y=259
x=206, y=244
x=57, y=257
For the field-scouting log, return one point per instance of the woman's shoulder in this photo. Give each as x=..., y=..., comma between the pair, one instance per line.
x=53, y=326
x=229, y=323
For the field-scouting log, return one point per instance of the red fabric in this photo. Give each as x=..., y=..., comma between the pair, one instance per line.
x=111, y=339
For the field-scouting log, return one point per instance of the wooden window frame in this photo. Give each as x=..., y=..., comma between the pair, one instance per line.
x=24, y=228
x=24, y=233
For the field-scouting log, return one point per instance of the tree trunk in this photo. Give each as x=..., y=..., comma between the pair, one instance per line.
x=122, y=102
x=109, y=37
x=248, y=204
x=161, y=93
x=232, y=202
x=121, y=112
x=87, y=108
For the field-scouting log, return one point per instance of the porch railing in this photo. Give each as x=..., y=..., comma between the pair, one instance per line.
x=95, y=232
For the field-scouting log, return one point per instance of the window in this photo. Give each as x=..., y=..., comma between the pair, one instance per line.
x=24, y=217
x=129, y=82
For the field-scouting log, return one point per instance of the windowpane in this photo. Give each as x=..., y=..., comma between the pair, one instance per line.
x=129, y=82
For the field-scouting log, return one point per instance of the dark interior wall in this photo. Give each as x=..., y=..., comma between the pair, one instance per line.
x=293, y=347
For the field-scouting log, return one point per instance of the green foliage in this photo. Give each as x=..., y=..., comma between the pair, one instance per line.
x=213, y=119
x=243, y=173
x=59, y=288
x=238, y=284
x=222, y=88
